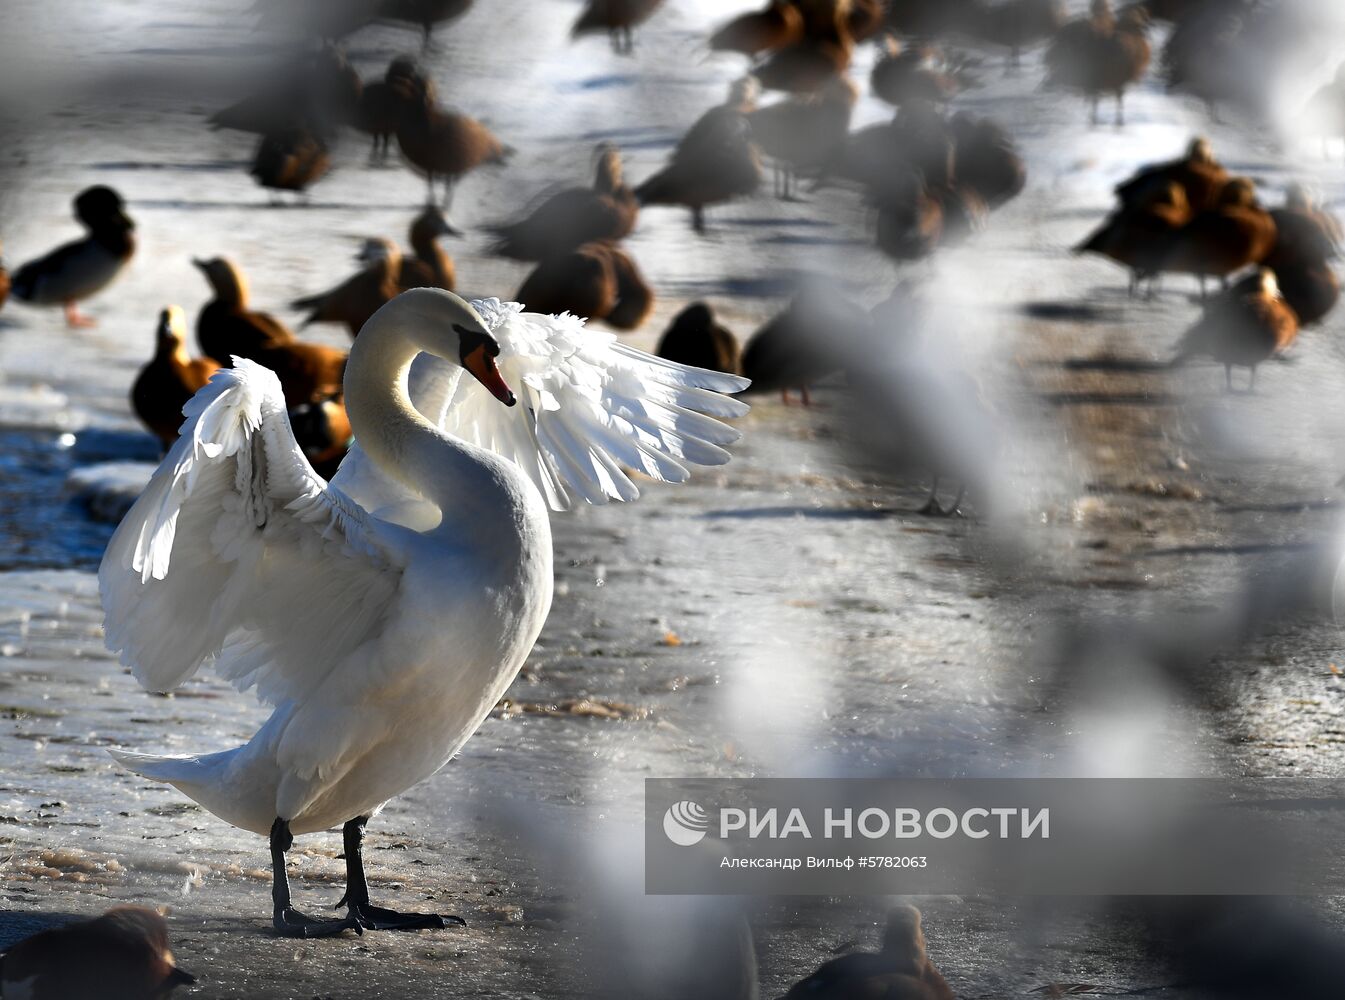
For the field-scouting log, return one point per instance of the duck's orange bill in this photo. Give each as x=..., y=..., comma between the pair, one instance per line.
x=483, y=369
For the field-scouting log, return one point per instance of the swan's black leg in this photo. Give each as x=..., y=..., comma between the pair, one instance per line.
x=287, y=920
x=376, y=918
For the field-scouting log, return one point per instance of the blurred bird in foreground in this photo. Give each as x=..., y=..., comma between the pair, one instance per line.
x=1224, y=239
x=77, y=271
x=290, y=160
x=780, y=24
x=595, y=281
x=384, y=103
x=1324, y=114
x=804, y=134
x=317, y=93
x=1099, y=55
x=574, y=216
x=170, y=378
x=1138, y=234
x=696, y=338
x=1246, y=325
x=716, y=161
x=822, y=54
x=423, y=14
x=916, y=73
x=900, y=971
x=799, y=347
x=1015, y=24
x=618, y=18
x=357, y=298
x=1201, y=176
x=1307, y=238
x=122, y=955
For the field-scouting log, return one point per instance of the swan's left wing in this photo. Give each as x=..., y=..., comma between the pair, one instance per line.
x=589, y=409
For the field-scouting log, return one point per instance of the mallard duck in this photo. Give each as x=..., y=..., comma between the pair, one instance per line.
x=430, y=266
x=291, y=160
x=779, y=25
x=985, y=159
x=357, y=298
x=384, y=103
x=171, y=378
x=122, y=955
x=1099, y=55
x=716, y=161
x=697, y=339
x=1200, y=175
x=914, y=73
x=902, y=970
x=617, y=18
x=1246, y=325
x=802, y=135
x=446, y=144
x=595, y=281
x=382, y=615
x=1139, y=235
x=1016, y=24
x=226, y=328
x=77, y=271
x=423, y=14
x=1224, y=239
x=606, y=211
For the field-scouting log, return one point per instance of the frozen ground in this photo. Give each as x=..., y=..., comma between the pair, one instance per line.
x=1142, y=596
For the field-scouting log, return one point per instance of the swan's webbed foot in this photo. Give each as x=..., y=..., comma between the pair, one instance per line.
x=289, y=922
x=377, y=918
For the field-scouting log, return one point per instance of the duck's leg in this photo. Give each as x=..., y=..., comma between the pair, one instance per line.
x=698, y=219
x=1228, y=378
x=75, y=318
x=288, y=921
x=376, y=918
x=931, y=506
x=1120, y=108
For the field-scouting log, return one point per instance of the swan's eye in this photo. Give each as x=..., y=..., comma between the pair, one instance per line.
x=469, y=340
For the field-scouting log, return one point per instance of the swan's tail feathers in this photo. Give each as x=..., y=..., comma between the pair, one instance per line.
x=209, y=780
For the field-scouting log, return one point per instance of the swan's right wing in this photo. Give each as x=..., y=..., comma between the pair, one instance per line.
x=238, y=551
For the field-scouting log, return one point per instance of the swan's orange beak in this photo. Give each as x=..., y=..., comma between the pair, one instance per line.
x=484, y=370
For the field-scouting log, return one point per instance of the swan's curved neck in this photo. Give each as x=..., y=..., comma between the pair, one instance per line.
x=464, y=481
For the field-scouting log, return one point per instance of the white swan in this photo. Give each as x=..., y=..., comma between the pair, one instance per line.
x=383, y=614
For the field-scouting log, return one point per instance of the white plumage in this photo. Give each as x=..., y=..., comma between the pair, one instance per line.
x=383, y=614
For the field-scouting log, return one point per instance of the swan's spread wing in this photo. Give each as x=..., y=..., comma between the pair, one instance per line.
x=589, y=408
x=237, y=550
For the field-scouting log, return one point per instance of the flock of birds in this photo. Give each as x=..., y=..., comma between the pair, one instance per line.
x=273, y=417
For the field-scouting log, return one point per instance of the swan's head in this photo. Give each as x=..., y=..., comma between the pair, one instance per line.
x=446, y=325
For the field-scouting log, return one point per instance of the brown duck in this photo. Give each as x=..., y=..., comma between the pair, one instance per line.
x=914, y=73
x=1016, y=24
x=122, y=955
x=1199, y=174
x=595, y=281
x=696, y=338
x=423, y=14
x=985, y=159
x=617, y=18
x=1224, y=239
x=290, y=160
x=1246, y=325
x=384, y=103
x=446, y=144
x=170, y=378
x=1138, y=236
x=803, y=135
x=716, y=161
x=902, y=970
x=227, y=327
x=1100, y=55
x=430, y=266
x=357, y=298
x=823, y=53
x=1307, y=238
x=779, y=25
x=606, y=211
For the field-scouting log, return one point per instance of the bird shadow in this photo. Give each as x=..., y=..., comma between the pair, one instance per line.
x=15, y=925
x=811, y=513
x=1109, y=398
x=1073, y=312
x=207, y=166
x=1247, y=549
x=1113, y=365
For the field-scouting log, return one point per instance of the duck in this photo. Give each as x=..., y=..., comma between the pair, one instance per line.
x=618, y=18
x=823, y=53
x=317, y=93
x=791, y=350
x=880, y=157
x=383, y=103
x=170, y=378
x=607, y=211
x=902, y=970
x=906, y=73
x=864, y=19
x=776, y=27
x=383, y=614
x=357, y=298
x=424, y=14
x=1306, y=239
x=596, y=281
x=1138, y=235
x=429, y=265
x=290, y=160
x=695, y=338
x=227, y=329
x=1101, y=54
x=1199, y=173
x=1234, y=234
x=322, y=430
x=986, y=160
x=1246, y=325
x=716, y=161
x=1016, y=24
x=122, y=955
x=441, y=143
x=76, y=271
x=1207, y=56
x=910, y=222
x=804, y=134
